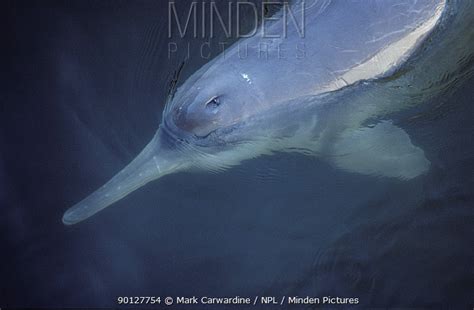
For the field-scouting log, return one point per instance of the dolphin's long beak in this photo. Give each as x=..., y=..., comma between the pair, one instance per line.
x=152, y=163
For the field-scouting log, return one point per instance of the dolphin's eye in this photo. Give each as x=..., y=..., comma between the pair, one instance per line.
x=214, y=102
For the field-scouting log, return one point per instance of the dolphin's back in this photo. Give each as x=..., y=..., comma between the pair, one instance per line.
x=343, y=42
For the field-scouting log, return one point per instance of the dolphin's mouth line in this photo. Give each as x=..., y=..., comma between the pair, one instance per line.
x=214, y=136
x=174, y=134
x=170, y=135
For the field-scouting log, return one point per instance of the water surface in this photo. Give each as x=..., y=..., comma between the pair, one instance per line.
x=84, y=90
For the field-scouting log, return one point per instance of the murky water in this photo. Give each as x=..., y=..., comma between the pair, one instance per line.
x=85, y=88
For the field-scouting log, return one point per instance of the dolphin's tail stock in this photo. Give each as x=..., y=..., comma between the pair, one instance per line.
x=152, y=163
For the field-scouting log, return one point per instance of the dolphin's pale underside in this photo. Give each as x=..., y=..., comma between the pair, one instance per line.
x=362, y=61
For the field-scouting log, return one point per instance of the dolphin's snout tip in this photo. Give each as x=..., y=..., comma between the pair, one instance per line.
x=74, y=215
x=68, y=219
x=152, y=163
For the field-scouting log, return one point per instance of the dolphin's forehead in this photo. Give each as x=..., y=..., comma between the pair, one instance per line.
x=229, y=80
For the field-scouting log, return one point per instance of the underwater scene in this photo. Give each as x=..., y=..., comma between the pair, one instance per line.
x=232, y=154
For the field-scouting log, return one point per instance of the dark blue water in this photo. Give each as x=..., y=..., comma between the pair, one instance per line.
x=84, y=85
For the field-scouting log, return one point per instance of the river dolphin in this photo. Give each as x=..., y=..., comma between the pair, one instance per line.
x=362, y=61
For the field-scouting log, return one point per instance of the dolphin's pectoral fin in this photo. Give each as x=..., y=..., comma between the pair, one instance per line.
x=383, y=150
